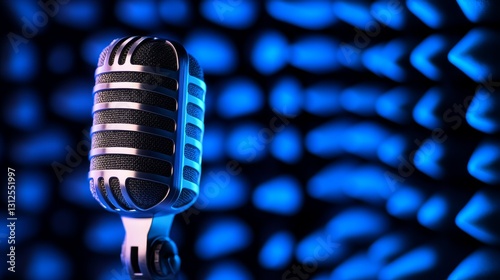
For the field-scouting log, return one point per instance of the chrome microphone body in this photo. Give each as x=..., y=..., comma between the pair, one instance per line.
x=145, y=160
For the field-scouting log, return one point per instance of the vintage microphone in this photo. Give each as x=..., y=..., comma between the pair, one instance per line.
x=145, y=161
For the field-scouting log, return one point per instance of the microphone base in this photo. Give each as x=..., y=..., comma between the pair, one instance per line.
x=147, y=252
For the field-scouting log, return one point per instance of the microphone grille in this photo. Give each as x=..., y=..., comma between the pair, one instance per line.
x=147, y=125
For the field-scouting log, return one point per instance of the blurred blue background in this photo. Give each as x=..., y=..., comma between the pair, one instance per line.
x=344, y=139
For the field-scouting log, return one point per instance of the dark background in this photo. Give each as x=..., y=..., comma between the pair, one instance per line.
x=62, y=233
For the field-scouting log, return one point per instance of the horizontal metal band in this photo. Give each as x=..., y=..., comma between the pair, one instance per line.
x=197, y=81
x=139, y=86
x=196, y=101
x=127, y=67
x=133, y=127
x=195, y=121
x=129, y=151
x=134, y=106
x=192, y=164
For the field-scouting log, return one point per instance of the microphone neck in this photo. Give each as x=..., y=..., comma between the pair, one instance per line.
x=146, y=252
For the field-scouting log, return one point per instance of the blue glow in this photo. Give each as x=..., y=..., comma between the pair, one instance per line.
x=479, y=217
x=321, y=247
x=61, y=59
x=239, y=97
x=23, y=8
x=231, y=14
x=482, y=264
x=222, y=237
x=356, y=141
x=281, y=195
x=323, y=99
x=392, y=149
x=428, y=12
x=20, y=66
x=23, y=110
x=426, y=112
x=358, y=225
x=277, y=251
x=43, y=147
x=94, y=44
x=483, y=164
x=368, y=183
x=247, y=142
x=213, y=142
x=358, y=266
x=479, y=11
x=390, y=14
x=405, y=202
x=105, y=235
x=329, y=183
x=355, y=13
x=270, y=52
x=71, y=100
x=80, y=14
x=287, y=145
x=350, y=56
x=286, y=96
x=325, y=140
x=48, y=263
x=305, y=14
x=426, y=56
x=202, y=45
x=436, y=212
x=315, y=54
x=396, y=104
x=482, y=113
x=181, y=14
x=75, y=186
x=428, y=157
x=222, y=191
x=139, y=14
x=472, y=55
x=33, y=192
x=385, y=59
x=419, y=260
x=228, y=271
x=389, y=246
x=361, y=98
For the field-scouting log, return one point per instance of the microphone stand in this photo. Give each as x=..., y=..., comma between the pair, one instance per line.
x=147, y=252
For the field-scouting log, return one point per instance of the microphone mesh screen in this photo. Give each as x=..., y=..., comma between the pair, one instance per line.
x=130, y=162
x=134, y=117
x=191, y=174
x=185, y=197
x=114, y=184
x=195, y=111
x=155, y=53
x=193, y=131
x=195, y=90
x=137, y=77
x=137, y=96
x=145, y=193
x=132, y=139
x=194, y=68
x=192, y=153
